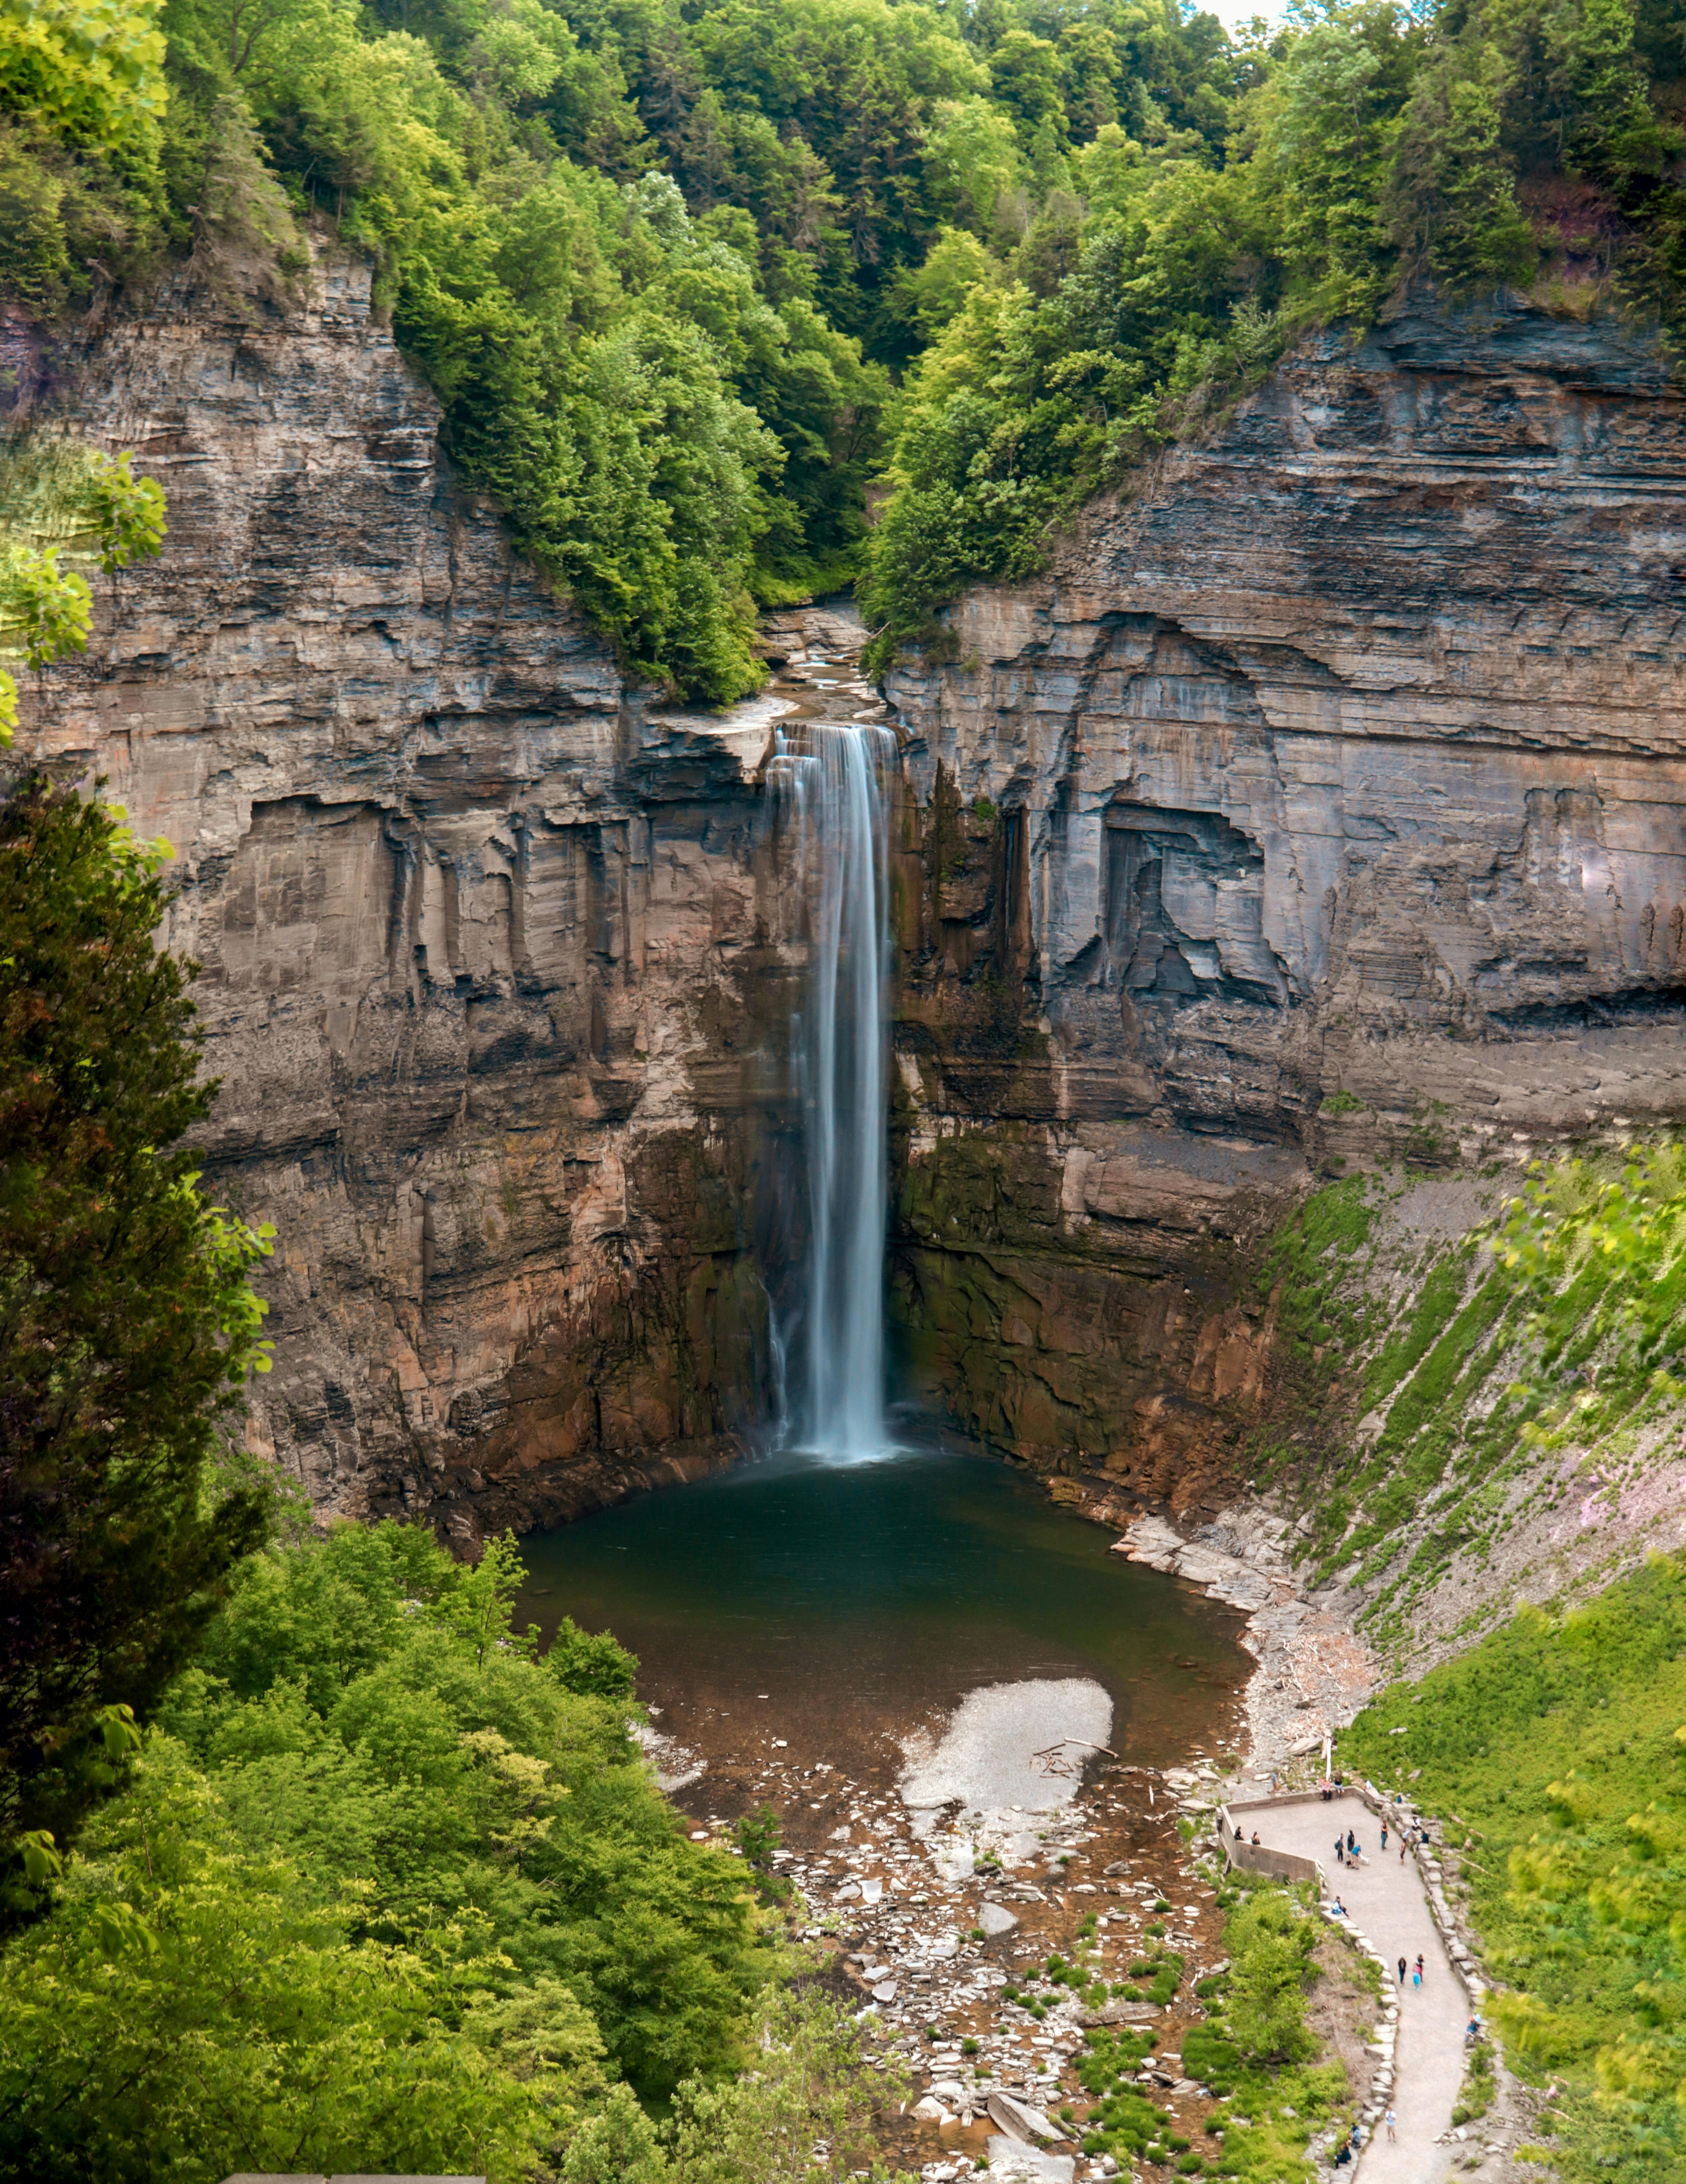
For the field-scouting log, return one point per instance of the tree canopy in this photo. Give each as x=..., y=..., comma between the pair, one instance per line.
x=127, y=1326
x=384, y=1887
x=699, y=284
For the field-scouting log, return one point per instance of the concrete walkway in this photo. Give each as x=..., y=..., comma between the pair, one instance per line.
x=1390, y=1910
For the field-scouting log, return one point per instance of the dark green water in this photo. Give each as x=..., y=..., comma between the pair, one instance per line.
x=844, y=1604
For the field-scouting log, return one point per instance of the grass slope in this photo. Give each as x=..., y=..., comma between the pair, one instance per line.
x=1555, y=1751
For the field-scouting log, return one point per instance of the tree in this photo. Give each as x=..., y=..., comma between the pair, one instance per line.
x=127, y=1323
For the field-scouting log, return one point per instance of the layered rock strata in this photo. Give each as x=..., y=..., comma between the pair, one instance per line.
x=1321, y=804
x=490, y=945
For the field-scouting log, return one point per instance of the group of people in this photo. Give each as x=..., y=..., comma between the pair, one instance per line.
x=1349, y=2148
x=1347, y=1852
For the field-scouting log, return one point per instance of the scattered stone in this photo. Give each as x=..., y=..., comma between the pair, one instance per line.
x=1010, y=2158
x=1119, y=2013
x=1019, y=2120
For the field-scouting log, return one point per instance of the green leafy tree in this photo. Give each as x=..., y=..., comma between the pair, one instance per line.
x=1327, y=123
x=366, y=1706
x=127, y=1323
x=1454, y=198
x=809, y=2109
x=193, y=2007
x=1272, y=1941
x=592, y=1663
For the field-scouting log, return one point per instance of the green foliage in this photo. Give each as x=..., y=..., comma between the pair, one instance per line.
x=592, y=1663
x=383, y=1887
x=1556, y=1752
x=759, y=1835
x=126, y=512
x=196, y=2004
x=663, y=263
x=806, y=2110
x=1270, y=1941
x=1552, y=1331
x=127, y=1323
x=47, y=610
x=92, y=70
x=58, y=497
x=1253, y=2050
x=1149, y=274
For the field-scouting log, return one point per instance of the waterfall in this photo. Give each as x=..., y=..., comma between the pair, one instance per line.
x=839, y=1053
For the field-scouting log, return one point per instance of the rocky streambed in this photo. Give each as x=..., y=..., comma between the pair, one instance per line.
x=938, y=1919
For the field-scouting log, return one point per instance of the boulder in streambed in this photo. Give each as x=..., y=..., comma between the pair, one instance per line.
x=1120, y=2012
x=1020, y=2122
x=1008, y=2157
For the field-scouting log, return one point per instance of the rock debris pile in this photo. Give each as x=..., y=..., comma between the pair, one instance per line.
x=946, y=1918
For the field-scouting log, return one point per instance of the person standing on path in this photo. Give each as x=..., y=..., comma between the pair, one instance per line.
x=1404, y=1968
x=1392, y=2133
x=1384, y=1838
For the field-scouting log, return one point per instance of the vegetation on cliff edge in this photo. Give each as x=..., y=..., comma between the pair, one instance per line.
x=689, y=278
x=1433, y=1393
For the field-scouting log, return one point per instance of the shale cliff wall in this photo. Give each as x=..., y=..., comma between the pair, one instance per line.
x=1323, y=805
x=1320, y=805
x=487, y=965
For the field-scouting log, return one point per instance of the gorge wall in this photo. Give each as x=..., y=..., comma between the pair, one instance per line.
x=483, y=934
x=1321, y=805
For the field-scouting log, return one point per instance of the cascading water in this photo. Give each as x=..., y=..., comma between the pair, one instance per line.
x=839, y=1054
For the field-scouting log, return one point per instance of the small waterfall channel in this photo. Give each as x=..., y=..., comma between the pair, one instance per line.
x=831, y=773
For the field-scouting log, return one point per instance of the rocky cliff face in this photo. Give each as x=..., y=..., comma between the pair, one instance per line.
x=490, y=947
x=1322, y=803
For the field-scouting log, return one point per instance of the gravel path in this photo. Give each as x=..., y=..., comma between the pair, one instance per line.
x=1389, y=1908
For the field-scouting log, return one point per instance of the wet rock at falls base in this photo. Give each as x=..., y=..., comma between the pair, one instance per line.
x=1319, y=805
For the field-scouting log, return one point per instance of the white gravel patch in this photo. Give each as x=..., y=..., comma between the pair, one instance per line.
x=1011, y=1753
